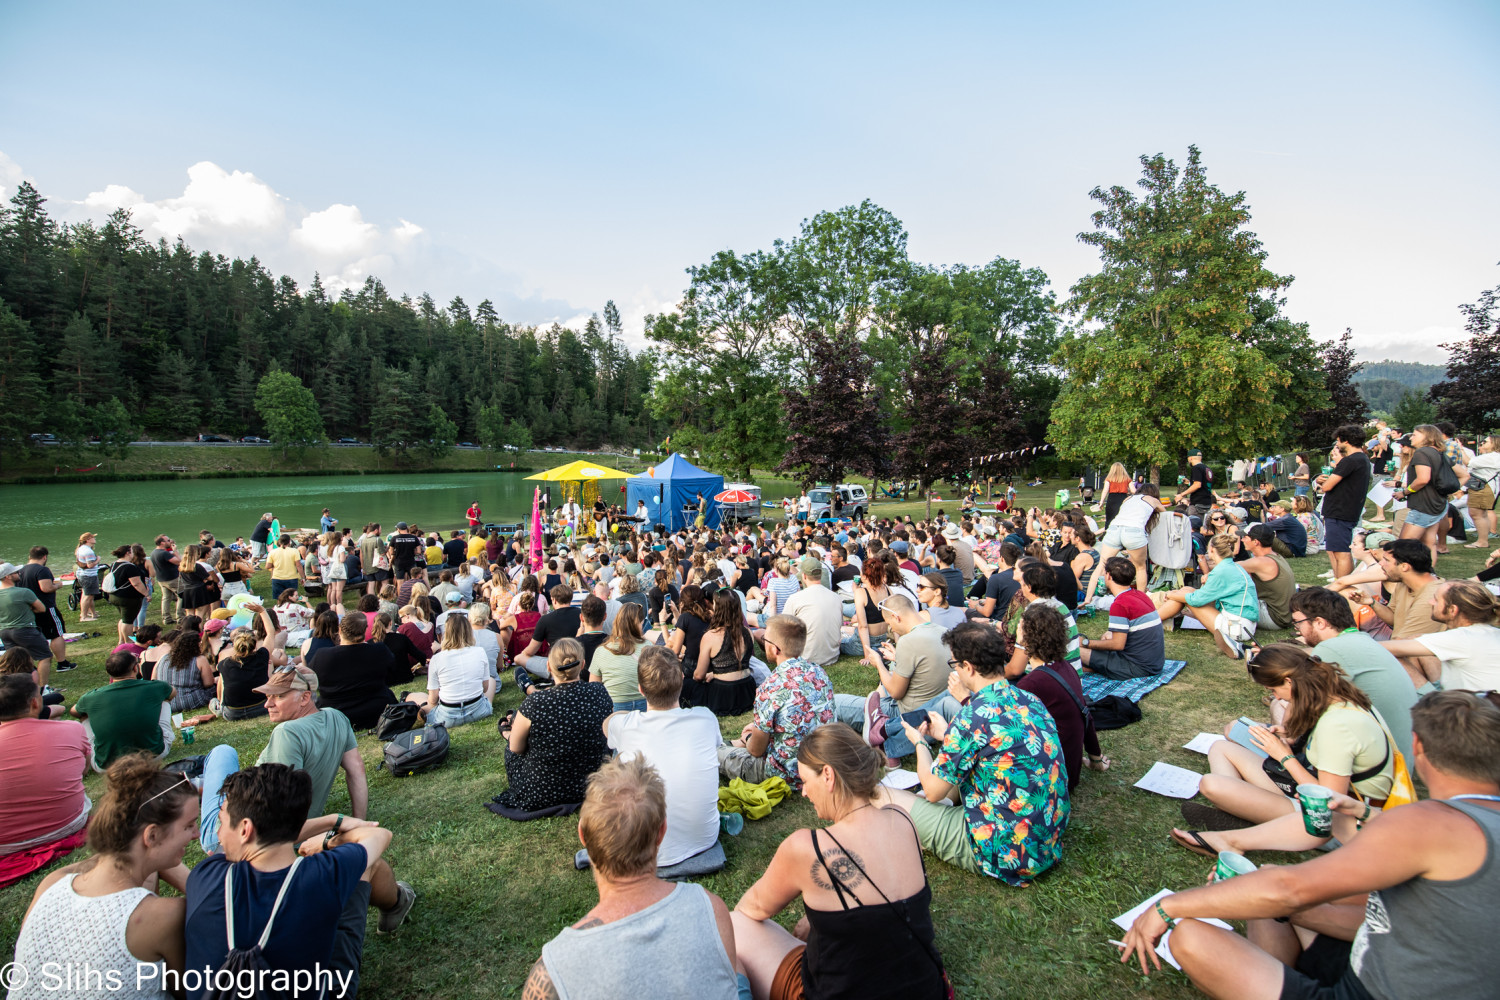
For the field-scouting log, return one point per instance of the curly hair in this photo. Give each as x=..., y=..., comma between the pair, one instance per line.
x=1043, y=633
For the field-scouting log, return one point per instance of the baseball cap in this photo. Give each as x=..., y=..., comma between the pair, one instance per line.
x=899, y=545
x=1262, y=534
x=214, y=625
x=400, y=525
x=1196, y=453
x=8, y=569
x=292, y=677
x=453, y=597
x=810, y=566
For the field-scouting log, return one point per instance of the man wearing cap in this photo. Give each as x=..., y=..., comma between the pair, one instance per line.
x=963, y=552
x=820, y=610
x=453, y=604
x=1198, y=495
x=1274, y=583
x=902, y=548
x=19, y=607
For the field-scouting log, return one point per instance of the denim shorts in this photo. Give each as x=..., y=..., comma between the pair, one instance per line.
x=1422, y=520
x=1124, y=538
x=442, y=715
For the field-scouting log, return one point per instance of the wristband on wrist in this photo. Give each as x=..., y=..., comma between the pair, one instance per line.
x=338, y=823
x=1169, y=921
x=1283, y=760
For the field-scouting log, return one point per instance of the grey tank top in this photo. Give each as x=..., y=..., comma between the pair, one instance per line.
x=671, y=949
x=1431, y=939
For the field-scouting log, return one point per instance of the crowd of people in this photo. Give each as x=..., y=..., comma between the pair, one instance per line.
x=629, y=645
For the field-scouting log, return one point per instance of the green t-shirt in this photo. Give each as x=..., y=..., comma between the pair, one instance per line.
x=619, y=674
x=315, y=744
x=1380, y=676
x=15, y=607
x=125, y=717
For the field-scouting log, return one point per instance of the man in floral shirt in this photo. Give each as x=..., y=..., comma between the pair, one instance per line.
x=796, y=699
x=1000, y=759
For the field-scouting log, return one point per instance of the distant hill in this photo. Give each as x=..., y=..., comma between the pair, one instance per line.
x=1409, y=373
x=1381, y=394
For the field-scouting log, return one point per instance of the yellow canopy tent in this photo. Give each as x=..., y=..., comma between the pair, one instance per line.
x=581, y=484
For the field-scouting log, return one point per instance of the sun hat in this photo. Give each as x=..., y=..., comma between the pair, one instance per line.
x=292, y=677
x=951, y=531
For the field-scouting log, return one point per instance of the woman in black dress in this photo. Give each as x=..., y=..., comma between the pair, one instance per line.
x=130, y=587
x=721, y=681
x=692, y=624
x=557, y=737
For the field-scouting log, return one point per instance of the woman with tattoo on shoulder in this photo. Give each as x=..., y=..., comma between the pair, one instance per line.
x=868, y=929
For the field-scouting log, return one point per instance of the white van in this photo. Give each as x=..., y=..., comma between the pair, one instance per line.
x=856, y=501
x=742, y=510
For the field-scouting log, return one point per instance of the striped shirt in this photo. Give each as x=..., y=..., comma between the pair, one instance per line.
x=1134, y=616
x=1074, y=658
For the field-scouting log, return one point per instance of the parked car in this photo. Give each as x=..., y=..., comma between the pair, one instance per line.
x=743, y=510
x=856, y=501
x=252, y=439
x=347, y=441
x=467, y=444
x=213, y=439
x=44, y=438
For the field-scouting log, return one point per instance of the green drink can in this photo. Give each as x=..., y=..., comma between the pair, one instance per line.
x=1317, y=812
x=1231, y=864
x=187, y=735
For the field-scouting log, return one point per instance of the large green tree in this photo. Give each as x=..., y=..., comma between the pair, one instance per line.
x=289, y=410
x=1167, y=355
x=1467, y=395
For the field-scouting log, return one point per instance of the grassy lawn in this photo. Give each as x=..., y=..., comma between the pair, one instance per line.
x=491, y=892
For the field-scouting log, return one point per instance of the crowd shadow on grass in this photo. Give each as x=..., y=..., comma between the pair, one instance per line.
x=491, y=891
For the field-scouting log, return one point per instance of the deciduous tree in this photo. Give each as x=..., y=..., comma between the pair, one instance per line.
x=289, y=410
x=1468, y=394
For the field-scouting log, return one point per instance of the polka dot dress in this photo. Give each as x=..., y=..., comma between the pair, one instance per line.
x=566, y=745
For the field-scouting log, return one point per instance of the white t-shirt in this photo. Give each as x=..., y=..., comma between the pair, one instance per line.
x=822, y=611
x=465, y=583
x=84, y=554
x=682, y=744
x=804, y=503
x=727, y=568
x=1134, y=512
x=1470, y=655
x=490, y=643
x=458, y=674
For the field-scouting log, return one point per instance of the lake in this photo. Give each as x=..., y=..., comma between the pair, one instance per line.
x=55, y=516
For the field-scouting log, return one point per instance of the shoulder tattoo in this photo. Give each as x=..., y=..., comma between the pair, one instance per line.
x=843, y=866
x=539, y=984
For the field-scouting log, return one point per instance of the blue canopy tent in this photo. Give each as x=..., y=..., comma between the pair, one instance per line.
x=669, y=487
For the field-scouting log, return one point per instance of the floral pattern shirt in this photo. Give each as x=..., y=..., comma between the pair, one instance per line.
x=796, y=699
x=1003, y=754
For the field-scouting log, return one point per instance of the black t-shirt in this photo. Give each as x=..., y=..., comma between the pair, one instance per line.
x=694, y=628
x=352, y=680
x=1203, y=495
x=403, y=552
x=658, y=600
x=161, y=561
x=591, y=641
x=242, y=677
x=31, y=575
x=262, y=531
x=1067, y=586
x=848, y=571
x=1426, y=500
x=1346, y=501
x=124, y=573
x=559, y=623
x=1272, y=495
x=1002, y=586
x=455, y=552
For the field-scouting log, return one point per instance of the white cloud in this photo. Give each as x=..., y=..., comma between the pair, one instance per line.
x=215, y=201
x=337, y=231
x=1415, y=345
x=407, y=230
x=11, y=177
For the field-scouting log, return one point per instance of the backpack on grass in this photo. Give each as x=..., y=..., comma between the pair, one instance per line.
x=416, y=751
x=396, y=719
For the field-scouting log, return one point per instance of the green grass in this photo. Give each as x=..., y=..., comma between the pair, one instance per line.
x=492, y=892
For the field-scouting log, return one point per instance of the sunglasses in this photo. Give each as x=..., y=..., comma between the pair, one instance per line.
x=170, y=788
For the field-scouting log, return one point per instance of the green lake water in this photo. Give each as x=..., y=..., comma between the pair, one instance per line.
x=55, y=516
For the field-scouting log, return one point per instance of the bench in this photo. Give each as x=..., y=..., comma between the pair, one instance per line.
x=177, y=468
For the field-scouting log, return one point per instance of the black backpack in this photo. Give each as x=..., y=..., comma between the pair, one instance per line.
x=396, y=719
x=1114, y=712
x=249, y=960
x=419, y=750
x=1445, y=479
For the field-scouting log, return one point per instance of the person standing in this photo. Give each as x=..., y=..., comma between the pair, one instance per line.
x=37, y=578
x=403, y=550
x=1301, y=477
x=474, y=515
x=1198, y=495
x=260, y=537
x=804, y=506
x=86, y=572
x=286, y=568
x=165, y=563
x=1344, y=491
x=19, y=607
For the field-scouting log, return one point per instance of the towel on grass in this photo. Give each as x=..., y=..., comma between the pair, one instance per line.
x=1134, y=689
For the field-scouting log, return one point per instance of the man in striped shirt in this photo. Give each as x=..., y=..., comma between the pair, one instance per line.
x=1135, y=645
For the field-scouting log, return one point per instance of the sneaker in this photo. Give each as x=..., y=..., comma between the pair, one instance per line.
x=874, y=721
x=391, y=919
x=49, y=689
x=1326, y=576
x=63, y=666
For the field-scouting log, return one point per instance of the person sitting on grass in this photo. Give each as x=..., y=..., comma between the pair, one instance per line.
x=1404, y=569
x=1274, y=582
x=44, y=809
x=103, y=913
x=460, y=689
x=1429, y=869
x=722, y=682
x=1000, y=586
x=616, y=662
x=674, y=940
x=1467, y=653
x=1038, y=584
x=792, y=702
x=1336, y=740
x=354, y=676
x=682, y=745
x=1135, y=643
x=556, y=738
x=1226, y=604
x=326, y=871
x=562, y=622
x=867, y=928
x=16, y=660
x=127, y=714
x=1288, y=529
x=1044, y=637
x=932, y=591
x=1001, y=761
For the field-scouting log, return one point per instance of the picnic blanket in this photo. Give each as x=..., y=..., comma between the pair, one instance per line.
x=1096, y=687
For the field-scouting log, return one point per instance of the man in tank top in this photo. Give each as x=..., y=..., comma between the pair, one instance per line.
x=1431, y=870
x=647, y=936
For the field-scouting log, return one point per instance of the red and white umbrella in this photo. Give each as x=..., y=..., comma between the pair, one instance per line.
x=736, y=496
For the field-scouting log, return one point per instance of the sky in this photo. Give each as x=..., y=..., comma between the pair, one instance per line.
x=553, y=157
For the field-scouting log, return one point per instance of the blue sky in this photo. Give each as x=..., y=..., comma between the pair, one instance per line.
x=553, y=157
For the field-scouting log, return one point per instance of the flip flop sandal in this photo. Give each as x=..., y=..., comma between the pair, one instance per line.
x=1213, y=820
x=1202, y=848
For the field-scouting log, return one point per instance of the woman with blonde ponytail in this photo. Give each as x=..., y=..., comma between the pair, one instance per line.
x=868, y=930
x=104, y=913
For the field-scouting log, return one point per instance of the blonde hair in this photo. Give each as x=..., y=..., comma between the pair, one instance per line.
x=621, y=820
x=457, y=634
x=627, y=637
x=1224, y=545
x=1117, y=474
x=563, y=651
x=416, y=611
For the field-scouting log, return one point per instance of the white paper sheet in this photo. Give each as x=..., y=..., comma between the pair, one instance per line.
x=900, y=777
x=1124, y=920
x=1380, y=493
x=1170, y=780
x=1202, y=742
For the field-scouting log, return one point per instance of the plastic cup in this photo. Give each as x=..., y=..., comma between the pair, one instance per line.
x=1327, y=470
x=1317, y=812
x=1231, y=864
x=188, y=734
